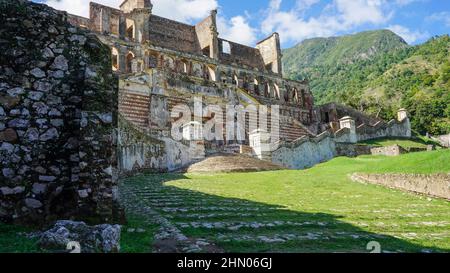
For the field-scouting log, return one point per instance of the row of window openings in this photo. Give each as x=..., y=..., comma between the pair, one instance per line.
x=211, y=76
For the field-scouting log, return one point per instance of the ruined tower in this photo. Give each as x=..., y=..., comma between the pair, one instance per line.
x=140, y=12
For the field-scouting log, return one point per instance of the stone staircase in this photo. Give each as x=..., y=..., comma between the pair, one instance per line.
x=289, y=130
x=135, y=108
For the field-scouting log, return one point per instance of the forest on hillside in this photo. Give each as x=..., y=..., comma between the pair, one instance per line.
x=378, y=73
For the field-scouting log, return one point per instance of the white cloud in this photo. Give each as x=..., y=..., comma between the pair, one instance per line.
x=237, y=29
x=358, y=12
x=79, y=7
x=338, y=16
x=184, y=10
x=443, y=16
x=180, y=10
x=407, y=2
x=409, y=36
x=304, y=5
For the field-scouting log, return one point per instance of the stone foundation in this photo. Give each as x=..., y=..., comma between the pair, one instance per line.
x=436, y=185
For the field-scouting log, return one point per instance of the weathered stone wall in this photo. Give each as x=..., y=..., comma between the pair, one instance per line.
x=173, y=35
x=138, y=152
x=333, y=112
x=393, y=128
x=394, y=150
x=57, y=117
x=352, y=150
x=270, y=50
x=443, y=140
x=437, y=185
x=241, y=55
x=306, y=152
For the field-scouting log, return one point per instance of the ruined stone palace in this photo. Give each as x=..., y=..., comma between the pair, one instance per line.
x=84, y=100
x=162, y=63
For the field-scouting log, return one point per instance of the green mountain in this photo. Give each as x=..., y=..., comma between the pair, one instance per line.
x=377, y=72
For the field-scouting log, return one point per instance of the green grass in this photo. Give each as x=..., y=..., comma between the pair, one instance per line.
x=404, y=143
x=137, y=242
x=12, y=240
x=324, y=194
x=344, y=214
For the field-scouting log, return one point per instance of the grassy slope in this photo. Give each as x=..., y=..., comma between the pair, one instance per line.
x=11, y=240
x=323, y=193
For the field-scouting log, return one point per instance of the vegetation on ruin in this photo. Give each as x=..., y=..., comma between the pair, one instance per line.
x=337, y=213
x=405, y=143
x=377, y=72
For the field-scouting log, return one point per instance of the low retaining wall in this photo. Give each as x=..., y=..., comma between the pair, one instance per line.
x=436, y=185
x=394, y=150
x=352, y=150
x=443, y=140
x=305, y=152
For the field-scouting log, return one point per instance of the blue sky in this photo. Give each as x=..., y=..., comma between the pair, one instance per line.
x=248, y=21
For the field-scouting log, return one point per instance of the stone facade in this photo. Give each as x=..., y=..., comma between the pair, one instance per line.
x=162, y=63
x=57, y=115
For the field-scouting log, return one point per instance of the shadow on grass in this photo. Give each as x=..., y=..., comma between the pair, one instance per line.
x=243, y=226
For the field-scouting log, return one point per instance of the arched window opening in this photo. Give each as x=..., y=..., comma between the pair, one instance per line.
x=267, y=90
x=286, y=94
x=129, y=62
x=184, y=67
x=115, y=59
x=130, y=33
x=256, y=87
x=277, y=91
x=295, y=95
x=129, y=29
x=226, y=47
x=235, y=80
x=211, y=74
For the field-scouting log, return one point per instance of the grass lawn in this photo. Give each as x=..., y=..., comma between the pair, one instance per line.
x=12, y=240
x=314, y=210
x=404, y=143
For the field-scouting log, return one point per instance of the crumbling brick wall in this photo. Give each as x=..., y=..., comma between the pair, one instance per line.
x=58, y=100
